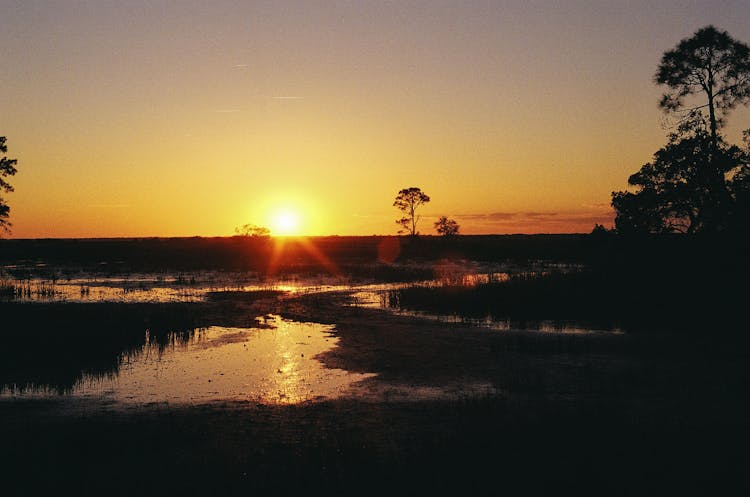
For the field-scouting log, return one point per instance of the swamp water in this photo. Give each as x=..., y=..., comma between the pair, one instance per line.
x=274, y=363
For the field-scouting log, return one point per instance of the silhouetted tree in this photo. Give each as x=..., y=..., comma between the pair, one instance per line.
x=446, y=227
x=674, y=194
x=600, y=230
x=252, y=230
x=407, y=201
x=739, y=187
x=712, y=65
x=697, y=181
x=714, y=68
x=7, y=168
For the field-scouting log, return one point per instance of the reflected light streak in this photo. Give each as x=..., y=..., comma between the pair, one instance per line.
x=285, y=246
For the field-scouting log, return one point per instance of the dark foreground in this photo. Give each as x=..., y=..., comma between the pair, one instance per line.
x=572, y=415
x=653, y=412
x=513, y=446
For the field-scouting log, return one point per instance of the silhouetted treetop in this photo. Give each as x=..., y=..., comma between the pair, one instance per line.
x=407, y=201
x=252, y=230
x=711, y=65
x=446, y=227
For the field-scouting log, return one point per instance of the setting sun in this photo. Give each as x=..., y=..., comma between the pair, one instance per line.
x=285, y=222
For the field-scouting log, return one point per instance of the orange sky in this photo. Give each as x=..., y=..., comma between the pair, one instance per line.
x=182, y=118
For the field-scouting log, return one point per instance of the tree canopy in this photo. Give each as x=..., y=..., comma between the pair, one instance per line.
x=673, y=193
x=7, y=168
x=408, y=201
x=252, y=230
x=697, y=182
x=711, y=65
x=446, y=227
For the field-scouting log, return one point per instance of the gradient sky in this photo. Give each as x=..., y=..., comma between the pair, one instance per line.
x=181, y=118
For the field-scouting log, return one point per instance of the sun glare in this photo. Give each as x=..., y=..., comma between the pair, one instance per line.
x=285, y=223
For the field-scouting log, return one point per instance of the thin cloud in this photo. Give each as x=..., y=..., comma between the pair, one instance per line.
x=535, y=222
x=540, y=214
x=491, y=216
x=597, y=205
x=287, y=98
x=108, y=206
x=226, y=111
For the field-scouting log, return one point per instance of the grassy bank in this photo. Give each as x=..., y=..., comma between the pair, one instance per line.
x=704, y=296
x=52, y=345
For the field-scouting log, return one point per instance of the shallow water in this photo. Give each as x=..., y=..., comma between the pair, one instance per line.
x=194, y=286
x=159, y=288
x=197, y=286
x=270, y=364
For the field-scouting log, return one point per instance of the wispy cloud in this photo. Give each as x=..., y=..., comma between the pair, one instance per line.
x=535, y=222
x=239, y=67
x=491, y=216
x=597, y=205
x=108, y=206
x=540, y=215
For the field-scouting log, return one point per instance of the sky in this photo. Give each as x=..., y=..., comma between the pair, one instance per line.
x=185, y=118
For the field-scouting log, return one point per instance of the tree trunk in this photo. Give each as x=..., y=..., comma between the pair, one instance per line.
x=413, y=221
x=719, y=198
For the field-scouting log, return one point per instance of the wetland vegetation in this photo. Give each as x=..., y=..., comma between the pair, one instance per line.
x=237, y=379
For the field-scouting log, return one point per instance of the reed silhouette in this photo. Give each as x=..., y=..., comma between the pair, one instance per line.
x=52, y=346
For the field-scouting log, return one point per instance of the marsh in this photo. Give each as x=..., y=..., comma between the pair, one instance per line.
x=428, y=376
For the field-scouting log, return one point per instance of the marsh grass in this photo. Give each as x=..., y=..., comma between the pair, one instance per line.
x=19, y=290
x=664, y=298
x=52, y=346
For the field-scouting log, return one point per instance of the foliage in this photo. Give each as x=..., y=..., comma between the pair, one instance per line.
x=697, y=182
x=739, y=188
x=252, y=230
x=407, y=201
x=7, y=168
x=600, y=230
x=446, y=227
x=684, y=188
x=709, y=64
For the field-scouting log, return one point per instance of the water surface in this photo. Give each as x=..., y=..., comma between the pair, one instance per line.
x=274, y=363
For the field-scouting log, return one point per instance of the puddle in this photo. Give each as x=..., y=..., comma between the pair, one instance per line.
x=268, y=365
